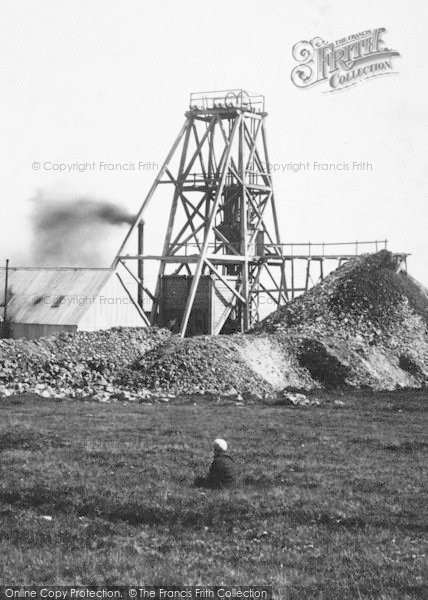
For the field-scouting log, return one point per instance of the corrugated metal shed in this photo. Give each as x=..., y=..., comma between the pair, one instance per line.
x=47, y=300
x=51, y=296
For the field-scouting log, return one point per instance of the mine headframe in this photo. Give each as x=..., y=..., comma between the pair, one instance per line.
x=222, y=248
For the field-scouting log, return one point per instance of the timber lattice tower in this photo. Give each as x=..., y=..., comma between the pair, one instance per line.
x=222, y=247
x=222, y=251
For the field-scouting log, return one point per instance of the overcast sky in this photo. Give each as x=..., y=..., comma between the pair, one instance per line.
x=109, y=81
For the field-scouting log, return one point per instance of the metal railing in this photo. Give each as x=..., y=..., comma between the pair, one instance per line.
x=191, y=248
x=237, y=98
x=252, y=177
x=306, y=249
x=325, y=249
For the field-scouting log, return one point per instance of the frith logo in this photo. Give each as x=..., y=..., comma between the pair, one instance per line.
x=344, y=62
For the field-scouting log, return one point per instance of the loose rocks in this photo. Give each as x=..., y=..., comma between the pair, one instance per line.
x=82, y=365
x=364, y=326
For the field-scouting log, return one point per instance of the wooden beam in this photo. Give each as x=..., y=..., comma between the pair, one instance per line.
x=244, y=230
x=226, y=283
x=225, y=241
x=214, y=258
x=275, y=217
x=177, y=245
x=255, y=207
x=259, y=211
x=176, y=192
x=152, y=190
x=140, y=310
x=137, y=279
x=292, y=279
x=268, y=293
x=232, y=165
x=198, y=148
x=264, y=171
x=252, y=148
x=308, y=268
x=189, y=258
x=171, y=218
x=190, y=221
x=223, y=166
x=176, y=241
x=201, y=157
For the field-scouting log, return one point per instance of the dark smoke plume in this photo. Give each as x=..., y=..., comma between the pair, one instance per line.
x=74, y=231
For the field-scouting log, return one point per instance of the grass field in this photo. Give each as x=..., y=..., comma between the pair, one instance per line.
x=332, y=502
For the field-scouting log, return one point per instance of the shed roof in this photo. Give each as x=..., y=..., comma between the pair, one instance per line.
x=51, y=296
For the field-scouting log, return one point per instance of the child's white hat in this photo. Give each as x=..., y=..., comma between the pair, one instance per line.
x=220, y=444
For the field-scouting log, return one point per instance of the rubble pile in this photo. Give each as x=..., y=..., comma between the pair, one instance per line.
x=81, y=365
x=364, y=326
x=198, y=365
x=364, y=294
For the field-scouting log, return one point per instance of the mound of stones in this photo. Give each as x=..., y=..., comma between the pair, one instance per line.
x=363, y=326
x=202, y=365
x=81, y=365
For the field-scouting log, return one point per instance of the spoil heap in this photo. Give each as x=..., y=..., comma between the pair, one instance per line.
x=198, y=365
x=85, y=364
x=364, y=326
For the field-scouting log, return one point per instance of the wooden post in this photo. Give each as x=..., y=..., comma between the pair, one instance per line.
x=141, y=264
x=308, y=268
x=292, y=278
x=172, y=213
x=279, y=249
x=245, y=308
x=140, y=310
x=6, y=285
x=195, y=282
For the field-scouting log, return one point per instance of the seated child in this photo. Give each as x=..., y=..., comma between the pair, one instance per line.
x=222, y=470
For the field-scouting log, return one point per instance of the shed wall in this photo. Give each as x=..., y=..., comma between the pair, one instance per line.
x=111, y=307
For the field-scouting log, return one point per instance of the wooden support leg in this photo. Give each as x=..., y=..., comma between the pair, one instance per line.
x=292, y=278
x=308, y=274
x=224, y=167
x=152, y=190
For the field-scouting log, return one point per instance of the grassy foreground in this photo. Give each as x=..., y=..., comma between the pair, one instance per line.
x=332, y=502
